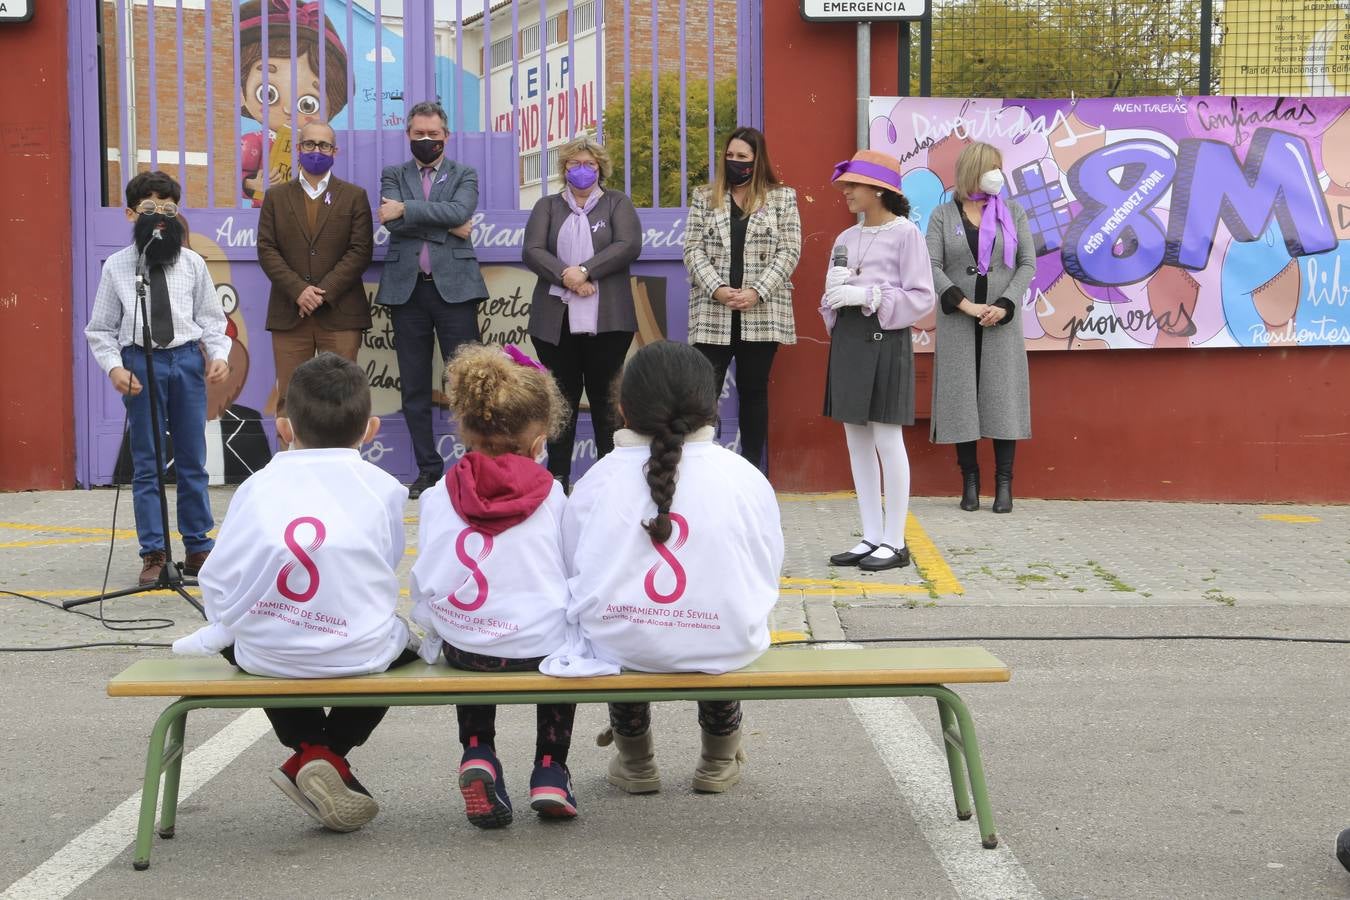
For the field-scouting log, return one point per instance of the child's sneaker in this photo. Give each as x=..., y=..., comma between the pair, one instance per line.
x=551, y=790
x=484, y=787
x=284, y=778
x=326, y=781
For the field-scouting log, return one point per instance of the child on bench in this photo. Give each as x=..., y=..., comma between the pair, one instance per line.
x=675, y=548
x=302, y=582
x=489, y=584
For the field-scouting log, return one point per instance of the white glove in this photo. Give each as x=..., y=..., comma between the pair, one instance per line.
x=847, y=295
x=835, y=276
x=205, y=641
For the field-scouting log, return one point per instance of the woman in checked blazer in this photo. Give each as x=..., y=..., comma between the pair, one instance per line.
x=741, y=245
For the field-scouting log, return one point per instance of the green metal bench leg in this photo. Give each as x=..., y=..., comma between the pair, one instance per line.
x=984, y=814
x=173, y=760
x=951, y=739
x=154, y=766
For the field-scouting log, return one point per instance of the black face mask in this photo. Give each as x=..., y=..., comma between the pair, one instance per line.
x=739, y=171
x=160, y=252
x=427, y=151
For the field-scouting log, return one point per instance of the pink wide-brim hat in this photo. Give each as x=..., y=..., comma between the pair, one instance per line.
x=870, y=167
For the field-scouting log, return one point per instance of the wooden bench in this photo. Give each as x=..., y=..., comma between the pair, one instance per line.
x=780, y=674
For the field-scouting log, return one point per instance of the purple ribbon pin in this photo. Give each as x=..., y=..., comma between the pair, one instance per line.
x=442, y=178
x=597, y=226
x=328, y=198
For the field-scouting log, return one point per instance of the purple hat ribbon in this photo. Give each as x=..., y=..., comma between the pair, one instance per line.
x=996, y=215
x=869, y=169
x=520, y=359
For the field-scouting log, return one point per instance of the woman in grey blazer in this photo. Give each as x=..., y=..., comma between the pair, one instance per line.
x=580, y=242
x=983, y=263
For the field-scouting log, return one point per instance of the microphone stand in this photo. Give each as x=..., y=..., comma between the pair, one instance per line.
x=171, y=576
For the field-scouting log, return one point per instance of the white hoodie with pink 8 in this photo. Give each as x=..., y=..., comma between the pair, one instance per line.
x=698, y=603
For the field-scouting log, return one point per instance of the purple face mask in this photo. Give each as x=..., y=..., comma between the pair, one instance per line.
x=582, y=177
x=316, y=163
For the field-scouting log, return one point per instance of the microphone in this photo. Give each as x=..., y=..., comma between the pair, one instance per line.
x=840, y=256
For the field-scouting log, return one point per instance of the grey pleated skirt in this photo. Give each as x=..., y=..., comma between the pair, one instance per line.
x=871, y=372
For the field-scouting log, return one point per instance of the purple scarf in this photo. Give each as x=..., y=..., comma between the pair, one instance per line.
x=996, y=212
x=574, y=248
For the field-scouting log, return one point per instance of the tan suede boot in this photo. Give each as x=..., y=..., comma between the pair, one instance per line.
x=634, y=768
x=720, y=766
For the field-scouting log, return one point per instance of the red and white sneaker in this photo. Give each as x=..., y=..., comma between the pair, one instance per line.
x=326, y=781
x=284, y=778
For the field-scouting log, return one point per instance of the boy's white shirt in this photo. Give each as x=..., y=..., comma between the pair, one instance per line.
x=517, y=606
x=731, y=555
x=348, y=626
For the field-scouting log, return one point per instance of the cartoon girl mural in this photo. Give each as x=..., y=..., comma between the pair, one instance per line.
x=281, y=107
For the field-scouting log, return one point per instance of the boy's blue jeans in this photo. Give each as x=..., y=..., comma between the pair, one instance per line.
x=180, y=384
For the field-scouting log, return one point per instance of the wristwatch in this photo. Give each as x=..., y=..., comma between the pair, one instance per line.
x=585, y=271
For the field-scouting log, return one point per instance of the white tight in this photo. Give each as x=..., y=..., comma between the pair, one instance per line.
x=867, y=445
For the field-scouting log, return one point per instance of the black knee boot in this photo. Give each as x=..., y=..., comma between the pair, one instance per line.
x=970, y=475
x=1004, y=451
x=1003, y=490
x=970, y=489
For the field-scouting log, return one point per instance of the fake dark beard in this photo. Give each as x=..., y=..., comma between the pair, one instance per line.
x=165, y=250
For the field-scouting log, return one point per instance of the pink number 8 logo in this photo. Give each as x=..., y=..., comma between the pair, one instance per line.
x=302, y=559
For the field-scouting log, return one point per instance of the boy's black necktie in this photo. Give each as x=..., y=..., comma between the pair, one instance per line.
x=161, y=313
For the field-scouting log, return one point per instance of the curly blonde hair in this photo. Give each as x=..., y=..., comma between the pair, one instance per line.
x=498, y=401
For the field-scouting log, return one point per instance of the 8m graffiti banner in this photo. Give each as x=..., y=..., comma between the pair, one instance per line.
x=1158, y=222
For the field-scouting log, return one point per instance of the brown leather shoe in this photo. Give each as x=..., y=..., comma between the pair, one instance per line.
x=152, y=564
x=194, y=562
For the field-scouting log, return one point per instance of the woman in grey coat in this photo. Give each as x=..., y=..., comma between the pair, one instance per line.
x=581, y=242
x=983, y=263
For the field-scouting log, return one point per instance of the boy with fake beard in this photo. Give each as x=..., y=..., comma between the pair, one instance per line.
x=185, y=318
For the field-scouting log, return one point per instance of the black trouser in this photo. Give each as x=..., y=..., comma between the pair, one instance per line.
x=754, y=359
x=553, y=721
x=1004, y=450
x=426, y=316
x=717, y=717
x=588, y=362
x=340, y=729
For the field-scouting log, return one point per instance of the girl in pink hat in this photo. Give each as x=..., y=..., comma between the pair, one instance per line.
x=884, y=285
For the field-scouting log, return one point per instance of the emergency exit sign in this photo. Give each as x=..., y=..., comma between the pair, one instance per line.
x=15, y=11
x=862, y=10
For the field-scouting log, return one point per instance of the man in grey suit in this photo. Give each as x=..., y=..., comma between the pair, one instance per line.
x=430, y=280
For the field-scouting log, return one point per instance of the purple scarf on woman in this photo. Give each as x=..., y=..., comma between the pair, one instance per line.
x=574, y=248
x=996, y=214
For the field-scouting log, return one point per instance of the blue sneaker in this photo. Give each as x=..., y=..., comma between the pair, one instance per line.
x=551, y=790
x=484, y=788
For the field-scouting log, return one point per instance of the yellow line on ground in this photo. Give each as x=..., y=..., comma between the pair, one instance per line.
x=806, y=498
x=93, y=592
x=929, y=559
x=63, y=529
x=1286, y=517
x=835, y=588
x=779, y=637
x=47, y=542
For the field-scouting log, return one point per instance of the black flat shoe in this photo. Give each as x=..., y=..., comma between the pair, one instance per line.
x=897, y=560
x=424, y=482
x=849, y=558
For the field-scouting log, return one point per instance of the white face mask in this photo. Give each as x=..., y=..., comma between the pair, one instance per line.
x=991, y=182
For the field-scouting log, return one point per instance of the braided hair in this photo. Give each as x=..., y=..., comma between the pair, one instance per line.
x=667, y=393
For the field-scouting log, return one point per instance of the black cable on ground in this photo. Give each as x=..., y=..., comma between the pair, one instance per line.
x=1075, y=637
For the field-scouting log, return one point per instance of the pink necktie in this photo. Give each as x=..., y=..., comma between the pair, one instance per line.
x=424, y=257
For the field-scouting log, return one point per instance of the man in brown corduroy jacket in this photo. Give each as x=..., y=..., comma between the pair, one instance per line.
x=315, y=242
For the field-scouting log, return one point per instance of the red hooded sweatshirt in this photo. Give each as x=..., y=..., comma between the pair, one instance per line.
x=494, y=493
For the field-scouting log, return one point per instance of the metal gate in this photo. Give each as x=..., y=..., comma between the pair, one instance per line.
x=212, y=92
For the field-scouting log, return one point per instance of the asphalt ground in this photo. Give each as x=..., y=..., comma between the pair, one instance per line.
x=1142, y=768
